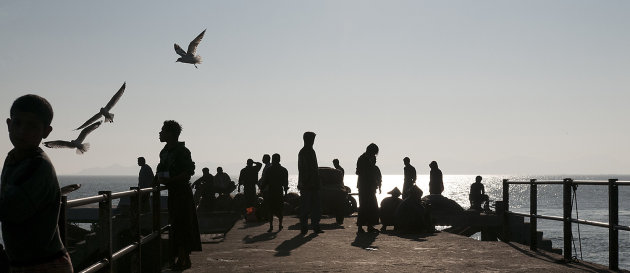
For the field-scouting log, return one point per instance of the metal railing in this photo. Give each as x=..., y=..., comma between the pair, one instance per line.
x=104, y=200
x=568, y=184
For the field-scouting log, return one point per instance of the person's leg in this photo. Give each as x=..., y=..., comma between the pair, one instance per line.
x=280, y=220
x=270, y=214
x=316, y=211
x=373, y=213
x=305, y=209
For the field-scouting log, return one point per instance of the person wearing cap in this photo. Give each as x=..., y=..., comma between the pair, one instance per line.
x=388, y=208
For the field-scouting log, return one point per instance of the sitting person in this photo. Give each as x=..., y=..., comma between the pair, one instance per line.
x=388, y=208
x=223, y=183
x=478, y=195
x=413, y=216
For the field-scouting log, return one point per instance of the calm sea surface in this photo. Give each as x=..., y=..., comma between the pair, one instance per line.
x=592, y=203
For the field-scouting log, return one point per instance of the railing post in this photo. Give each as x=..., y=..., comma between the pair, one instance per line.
x=157, y=210
x=63, y=221
x=566, y=208
x=136, y=204
x=506, y=204
x=105, y=223
x=613, y=221
x=533, y=211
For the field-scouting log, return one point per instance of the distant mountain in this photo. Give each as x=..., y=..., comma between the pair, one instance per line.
x=110, y=170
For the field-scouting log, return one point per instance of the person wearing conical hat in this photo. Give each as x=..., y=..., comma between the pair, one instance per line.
x=388, y=208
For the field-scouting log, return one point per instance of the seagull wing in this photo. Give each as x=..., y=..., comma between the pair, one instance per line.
x=87, y=130
x=90, y=121
x=116, y=97
x=192, y=47
x=59, y=144
x=179, y=50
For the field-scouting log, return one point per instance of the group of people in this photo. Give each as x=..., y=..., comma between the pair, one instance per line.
x=370, y=179
x=30, y=194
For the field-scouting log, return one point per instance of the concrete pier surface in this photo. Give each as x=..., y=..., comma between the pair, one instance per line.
x=250, y=248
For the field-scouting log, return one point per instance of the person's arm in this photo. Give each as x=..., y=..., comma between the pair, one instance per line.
x=414, y=176
x=241, y=180
x=301, y=168
x=286, y=181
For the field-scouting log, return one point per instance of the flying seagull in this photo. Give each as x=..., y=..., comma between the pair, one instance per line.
x=190, y=57
x=109, y=117
x=77, y=143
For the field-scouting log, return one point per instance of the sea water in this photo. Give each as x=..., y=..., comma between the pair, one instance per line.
x=592, y=203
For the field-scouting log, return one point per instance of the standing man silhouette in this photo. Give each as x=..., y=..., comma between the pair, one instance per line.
x=248, y=179
x=145, y=180
x=410, y=177
x=174, y=171
x=368, y=180
x=275, y=187
x=436, y=183
x=308, y=185
x=145, y=177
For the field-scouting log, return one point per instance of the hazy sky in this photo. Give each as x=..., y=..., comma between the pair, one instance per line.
x=482, y=87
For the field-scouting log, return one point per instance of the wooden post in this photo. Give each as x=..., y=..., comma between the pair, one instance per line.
x=157, y=210
x=613, y=220
x=506, y=204
x=63, y=220
x=533, y=211
x=566, y=208
x=105, y=223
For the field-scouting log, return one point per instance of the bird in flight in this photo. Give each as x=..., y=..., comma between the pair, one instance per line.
x=190, y=57
x=109, y=117
x=77, y=143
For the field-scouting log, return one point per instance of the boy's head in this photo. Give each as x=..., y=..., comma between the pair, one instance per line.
x=170, y=131
x=30, y=120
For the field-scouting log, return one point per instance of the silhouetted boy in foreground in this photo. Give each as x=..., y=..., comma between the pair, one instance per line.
x=30, y=197
x=174, y=171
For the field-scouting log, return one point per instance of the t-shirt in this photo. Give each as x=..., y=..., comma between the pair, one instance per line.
x=30, y=200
